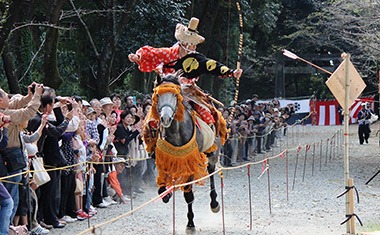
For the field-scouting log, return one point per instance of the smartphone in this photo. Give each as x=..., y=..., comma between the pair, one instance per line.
x=134, y=100
x=6, y=119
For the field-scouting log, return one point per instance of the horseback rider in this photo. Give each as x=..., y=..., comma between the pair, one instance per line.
x=160, y=60
x=183, y=56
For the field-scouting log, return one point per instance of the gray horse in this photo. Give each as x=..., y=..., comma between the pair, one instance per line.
x=179, y=133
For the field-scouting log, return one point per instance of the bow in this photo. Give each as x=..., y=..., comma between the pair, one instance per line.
x=240, y=51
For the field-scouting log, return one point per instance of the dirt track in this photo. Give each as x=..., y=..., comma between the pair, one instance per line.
x=312, y=208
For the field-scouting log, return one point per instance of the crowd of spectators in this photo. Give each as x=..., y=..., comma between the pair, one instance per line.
x=95, y=153
x=255, y=128
x=68, y=133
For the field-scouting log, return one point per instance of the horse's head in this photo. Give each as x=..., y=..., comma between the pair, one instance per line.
x=168, y=100
x=167, y=107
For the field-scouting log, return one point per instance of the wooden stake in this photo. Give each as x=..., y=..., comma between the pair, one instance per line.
x=250, y=196
x=312, y=166
x=173, y=195
x=221, y=191
x=327, y=151
x=351, y=206
x=320, y=155
x=295, y=169
x=287, y=176
x=269, y=197
x=304, y=163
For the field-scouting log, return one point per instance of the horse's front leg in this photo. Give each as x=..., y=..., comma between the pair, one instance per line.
x=214, y=204
x=189, y=198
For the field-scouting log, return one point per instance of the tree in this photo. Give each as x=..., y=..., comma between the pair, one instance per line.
x=346, y=26
x=10, y=14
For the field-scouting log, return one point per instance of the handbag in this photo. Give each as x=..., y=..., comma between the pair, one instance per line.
x=14, y=159
x=373, y=118
x=78, y=186
x=40, y=175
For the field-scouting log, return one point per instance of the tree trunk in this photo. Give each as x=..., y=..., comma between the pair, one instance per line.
x=10, y=70
x=106, y=59
x=105, y=62
x=13, y=16
x=52, y=77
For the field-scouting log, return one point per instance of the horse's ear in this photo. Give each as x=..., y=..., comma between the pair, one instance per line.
x=179, y=73
x=158, y=80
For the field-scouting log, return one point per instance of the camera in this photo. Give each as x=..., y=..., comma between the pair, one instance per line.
x=33, y=88
x=69, y=106
x=5, y=119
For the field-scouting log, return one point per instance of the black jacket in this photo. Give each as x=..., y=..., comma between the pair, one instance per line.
x=51, y=134
x=125, y=134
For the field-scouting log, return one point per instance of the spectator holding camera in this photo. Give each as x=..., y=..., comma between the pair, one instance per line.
x=48, y=147
x=6, y=201
x=20, y=110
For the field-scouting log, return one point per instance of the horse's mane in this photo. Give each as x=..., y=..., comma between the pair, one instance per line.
x=172, y=78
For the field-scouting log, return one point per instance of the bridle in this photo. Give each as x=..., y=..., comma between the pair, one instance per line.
x=172, y=106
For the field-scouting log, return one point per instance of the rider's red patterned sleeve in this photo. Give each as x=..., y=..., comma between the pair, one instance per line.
x=150, y=58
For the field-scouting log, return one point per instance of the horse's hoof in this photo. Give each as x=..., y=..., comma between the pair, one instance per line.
x=190, y=230
x=216, y=209
x=167, y=198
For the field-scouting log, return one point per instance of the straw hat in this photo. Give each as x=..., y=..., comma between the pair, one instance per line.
x=188, y=35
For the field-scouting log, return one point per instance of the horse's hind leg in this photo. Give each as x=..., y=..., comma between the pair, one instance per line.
x=189, y=198
x=214, y=204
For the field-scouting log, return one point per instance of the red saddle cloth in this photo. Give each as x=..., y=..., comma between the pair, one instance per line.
x=205, y=114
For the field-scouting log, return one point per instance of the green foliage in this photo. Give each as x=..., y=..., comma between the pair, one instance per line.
x=4, y=11
x=119, y=27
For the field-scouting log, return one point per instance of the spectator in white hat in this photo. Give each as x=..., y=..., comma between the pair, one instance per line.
x=114, y=189
x=85, y=106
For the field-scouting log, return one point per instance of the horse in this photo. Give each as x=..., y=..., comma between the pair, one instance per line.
x=177, y=132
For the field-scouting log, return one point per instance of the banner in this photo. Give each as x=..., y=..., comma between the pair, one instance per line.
x=328, y=112
x=301, y=106
x=324, y=112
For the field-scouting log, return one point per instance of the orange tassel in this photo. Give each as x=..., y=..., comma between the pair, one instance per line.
x=179, y=164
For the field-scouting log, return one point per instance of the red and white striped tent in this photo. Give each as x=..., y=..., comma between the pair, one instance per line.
x=326, y=112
